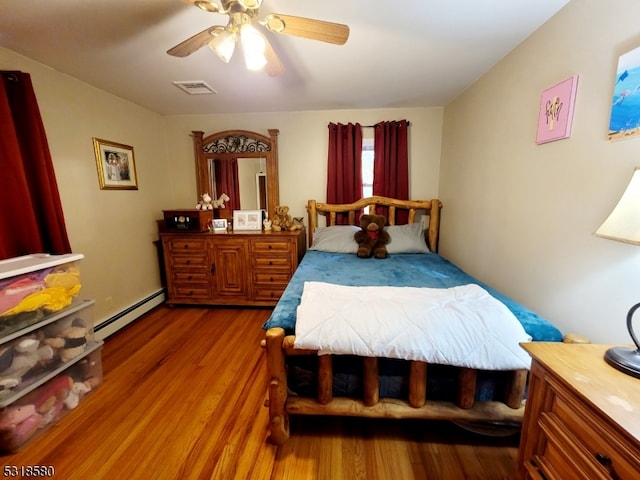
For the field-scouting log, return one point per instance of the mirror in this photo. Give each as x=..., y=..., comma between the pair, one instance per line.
x=240, y=163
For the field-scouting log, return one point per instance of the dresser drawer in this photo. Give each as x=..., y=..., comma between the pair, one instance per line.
x=268, y=293
x=599, y=442
x=271, y=262
x=270, y=278
x=272, y=246
x=189, y=276
x=186, y=245
x=189, y=261
x=191, y=291
x=563, y=456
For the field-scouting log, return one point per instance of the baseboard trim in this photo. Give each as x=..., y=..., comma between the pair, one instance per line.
x=125, y=317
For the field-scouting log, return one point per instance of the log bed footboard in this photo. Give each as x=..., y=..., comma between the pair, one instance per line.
x=416, y=405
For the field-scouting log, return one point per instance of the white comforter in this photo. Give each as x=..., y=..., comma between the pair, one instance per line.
x=461, y=326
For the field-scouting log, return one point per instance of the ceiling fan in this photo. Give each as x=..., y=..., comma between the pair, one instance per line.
x=258, y=52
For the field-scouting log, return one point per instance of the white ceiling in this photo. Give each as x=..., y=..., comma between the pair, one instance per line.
x=408, y=53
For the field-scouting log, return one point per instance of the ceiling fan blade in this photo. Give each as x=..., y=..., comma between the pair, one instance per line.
x=274, y=66
x=194, y=43
x=329, y=32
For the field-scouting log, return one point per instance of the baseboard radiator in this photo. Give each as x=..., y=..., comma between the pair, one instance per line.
x=125, y=317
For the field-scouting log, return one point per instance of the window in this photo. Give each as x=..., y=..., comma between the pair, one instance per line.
x=367, y=169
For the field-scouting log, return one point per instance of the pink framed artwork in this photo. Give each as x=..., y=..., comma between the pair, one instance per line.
x=556, y=111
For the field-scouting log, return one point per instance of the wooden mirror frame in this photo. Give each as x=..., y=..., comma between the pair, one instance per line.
x=238, y=144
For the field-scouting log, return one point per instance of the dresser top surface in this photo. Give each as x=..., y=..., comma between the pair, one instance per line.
x=583, y=368
x=262, y=233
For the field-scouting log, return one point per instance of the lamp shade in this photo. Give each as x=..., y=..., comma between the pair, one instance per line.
x=623, y=224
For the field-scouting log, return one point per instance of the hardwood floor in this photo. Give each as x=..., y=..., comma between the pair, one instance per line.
x=182, y=398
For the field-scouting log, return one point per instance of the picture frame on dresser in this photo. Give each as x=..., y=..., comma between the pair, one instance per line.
x=247, y=219
x=219, y=225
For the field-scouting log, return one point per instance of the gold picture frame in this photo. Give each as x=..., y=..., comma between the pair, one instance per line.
x=116, y=165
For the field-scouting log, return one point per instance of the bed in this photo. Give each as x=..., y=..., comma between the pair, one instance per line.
x=331, y=347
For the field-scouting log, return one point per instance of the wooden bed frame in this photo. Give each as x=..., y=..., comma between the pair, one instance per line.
x=465, y=409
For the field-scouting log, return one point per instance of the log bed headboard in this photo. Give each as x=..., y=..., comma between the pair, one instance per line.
x=424, y=207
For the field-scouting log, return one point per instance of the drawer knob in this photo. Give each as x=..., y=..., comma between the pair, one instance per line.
x=607, y=463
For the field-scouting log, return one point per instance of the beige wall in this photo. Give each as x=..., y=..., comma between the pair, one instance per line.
x=521, y=215
x=115, y=230
x=303, y=149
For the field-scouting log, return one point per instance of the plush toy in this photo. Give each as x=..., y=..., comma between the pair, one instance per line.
x=372, y=238
x=17, y=425
x=281, y=219
x=77, y=392
x=205, y=203
x=219, y=203
x=26, y=354
x=298, y=223
x=67, y=338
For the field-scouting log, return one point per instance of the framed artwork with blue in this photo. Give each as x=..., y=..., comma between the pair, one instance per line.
x=625, y=104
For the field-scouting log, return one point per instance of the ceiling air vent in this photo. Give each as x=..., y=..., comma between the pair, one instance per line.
x=195, y=87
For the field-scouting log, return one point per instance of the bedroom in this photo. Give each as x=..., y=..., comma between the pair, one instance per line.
x=516, y=214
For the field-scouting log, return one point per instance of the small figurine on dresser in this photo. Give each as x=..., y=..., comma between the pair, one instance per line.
x=219, y=203
x=205, y=203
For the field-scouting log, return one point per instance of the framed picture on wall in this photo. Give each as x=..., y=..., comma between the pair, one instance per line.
x=556, y=111
x=247, y=219
x=625, y=104
x=116, y=165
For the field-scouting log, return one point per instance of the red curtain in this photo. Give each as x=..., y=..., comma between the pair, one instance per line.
x=226, y=175
x=391, y=164
x=344, y=169
x=31, y=219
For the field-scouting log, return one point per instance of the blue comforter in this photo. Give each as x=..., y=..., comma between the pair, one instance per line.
x=412, y=270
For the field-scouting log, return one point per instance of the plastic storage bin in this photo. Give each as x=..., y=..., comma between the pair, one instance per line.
x=33, y=286
x=31, y=412
x=35, y=351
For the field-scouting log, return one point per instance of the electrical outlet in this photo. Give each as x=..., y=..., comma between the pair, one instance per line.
x=108, y=301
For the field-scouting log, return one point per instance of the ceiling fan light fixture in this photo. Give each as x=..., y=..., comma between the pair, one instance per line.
x=255, y=61
x=223, y=44
x=253, y=45
x=274, y=23
x=207, y=5
x=250, y=3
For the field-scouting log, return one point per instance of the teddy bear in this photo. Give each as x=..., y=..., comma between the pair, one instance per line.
x=372, y=238
x=281, y=219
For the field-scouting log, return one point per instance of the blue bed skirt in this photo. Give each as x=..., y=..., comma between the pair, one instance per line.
x=412, y=270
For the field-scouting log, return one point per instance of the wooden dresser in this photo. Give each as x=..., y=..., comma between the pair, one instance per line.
x=234, y=268
x=582, y=417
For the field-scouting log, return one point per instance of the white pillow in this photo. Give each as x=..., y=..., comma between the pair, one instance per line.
x=336, y=238
x=406, y=239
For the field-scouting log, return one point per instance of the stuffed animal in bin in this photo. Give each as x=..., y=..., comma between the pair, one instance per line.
x=19, y=359
x=372, y=238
